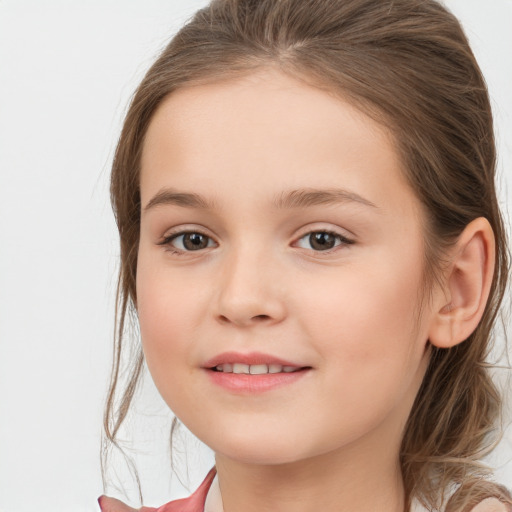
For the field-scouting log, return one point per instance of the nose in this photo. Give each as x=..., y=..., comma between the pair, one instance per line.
x=249, y=292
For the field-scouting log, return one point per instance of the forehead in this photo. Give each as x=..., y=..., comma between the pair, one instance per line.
x=267, y=128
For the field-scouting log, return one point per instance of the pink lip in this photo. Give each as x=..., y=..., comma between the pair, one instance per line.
x=250, y=358
x=246, y=384
x=243, y=383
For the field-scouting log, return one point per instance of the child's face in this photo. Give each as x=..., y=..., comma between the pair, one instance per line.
x=261, y=280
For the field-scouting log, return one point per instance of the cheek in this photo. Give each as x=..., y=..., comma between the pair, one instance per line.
x=166, y=311
x=366, y=318
x=366, y=335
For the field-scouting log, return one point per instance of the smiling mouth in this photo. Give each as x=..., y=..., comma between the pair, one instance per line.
x=255, y=369
x=245, y=379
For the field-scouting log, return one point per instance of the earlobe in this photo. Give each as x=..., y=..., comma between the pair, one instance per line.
x=467, y=284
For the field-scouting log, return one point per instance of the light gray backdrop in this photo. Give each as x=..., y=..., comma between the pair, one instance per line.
x=67, y=69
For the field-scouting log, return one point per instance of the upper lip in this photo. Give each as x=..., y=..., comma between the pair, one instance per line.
x=249, y=358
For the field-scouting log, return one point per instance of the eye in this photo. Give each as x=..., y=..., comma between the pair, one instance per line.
x=188, y=241
x=322, y=240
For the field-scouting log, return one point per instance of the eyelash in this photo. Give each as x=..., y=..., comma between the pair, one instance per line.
x=173, y=236
x=337, y=236
x=166, y=242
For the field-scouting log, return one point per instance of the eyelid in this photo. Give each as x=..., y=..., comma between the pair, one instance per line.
x=183, y=230
x=174, y=233
x=344, y=239
x=318, y=227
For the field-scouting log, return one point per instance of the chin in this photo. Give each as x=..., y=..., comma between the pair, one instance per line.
x=261, y=457
x=258, y=450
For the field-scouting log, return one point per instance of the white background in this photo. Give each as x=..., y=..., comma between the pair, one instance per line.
x=67, y=69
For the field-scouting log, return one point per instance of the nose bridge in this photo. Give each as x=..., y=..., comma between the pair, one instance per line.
x=248, y=291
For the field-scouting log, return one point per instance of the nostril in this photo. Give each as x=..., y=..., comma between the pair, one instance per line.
x=250, y=319
x=261, y=317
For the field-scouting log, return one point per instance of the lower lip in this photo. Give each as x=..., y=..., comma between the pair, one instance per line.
x=241, y=382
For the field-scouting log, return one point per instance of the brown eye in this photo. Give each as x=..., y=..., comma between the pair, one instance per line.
x=322, y=240
x=189, y=241
x=194, y=241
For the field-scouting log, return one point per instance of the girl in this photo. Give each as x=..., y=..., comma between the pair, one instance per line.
x=312, y=245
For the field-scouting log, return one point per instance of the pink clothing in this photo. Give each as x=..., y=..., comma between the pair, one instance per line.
x=196, y=502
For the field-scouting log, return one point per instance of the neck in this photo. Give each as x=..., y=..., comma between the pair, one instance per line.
x=348, y=480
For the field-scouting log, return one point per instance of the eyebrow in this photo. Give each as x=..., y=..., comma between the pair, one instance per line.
x=313, y=197
x=301, y=198
x=169, y=196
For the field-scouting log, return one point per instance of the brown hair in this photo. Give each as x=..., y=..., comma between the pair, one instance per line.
x=408, y=65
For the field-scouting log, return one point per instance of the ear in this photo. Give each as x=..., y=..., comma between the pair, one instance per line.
x=460, y=306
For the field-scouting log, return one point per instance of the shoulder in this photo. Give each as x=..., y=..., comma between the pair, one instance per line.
x=491, y=505
x=480, y=495
x=194, y=503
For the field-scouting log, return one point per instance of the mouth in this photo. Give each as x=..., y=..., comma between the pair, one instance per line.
x=254, y=372
x=252, y=363
x=256, y=369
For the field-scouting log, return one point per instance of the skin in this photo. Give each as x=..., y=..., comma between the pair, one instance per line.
x=332, y=439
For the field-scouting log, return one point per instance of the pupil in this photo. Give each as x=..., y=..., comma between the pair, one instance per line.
x=321, y=241
x=194, y=241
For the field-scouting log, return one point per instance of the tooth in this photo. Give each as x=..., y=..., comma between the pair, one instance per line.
x=258, y=369
x=275, y=368
x=240, y=368
x=227, y=368
x=289, y=369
